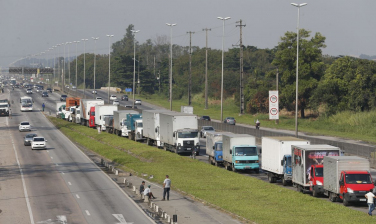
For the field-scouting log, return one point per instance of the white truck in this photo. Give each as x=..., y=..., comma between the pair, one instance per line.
x=120, y=119
x=179, y=132
x=60, y=106
x=186, y=109
x=103, y=111
x=214, y=147
x=4, y=107
x=87, y=111
x=152, y=125
x=276, y=157
x=240, y=152
x=26, y=103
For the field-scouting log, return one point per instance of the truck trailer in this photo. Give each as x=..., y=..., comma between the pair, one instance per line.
x=87, y=111
x=303, y=157
x=151, y=122
x=101, y=112
x=347, y=178
x=240, y=152
x=214, y=147
x=120, y=122
x=276, y=157
x=179, y=132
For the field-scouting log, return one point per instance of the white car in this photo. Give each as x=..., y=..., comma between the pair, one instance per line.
x=137, y=102
x=38, y=143
x=116, y=102
x=113, y=97
x=24, y=126
x=94, y=91
x=206, y=129
x=98, y=98
x=29, y=91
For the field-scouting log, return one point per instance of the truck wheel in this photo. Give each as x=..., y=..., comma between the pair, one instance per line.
x=257, y=171
x=332, y=197
x=270, y=178
x=284, y=182
x=345, y=202
x=233, y=168
x=314, y=193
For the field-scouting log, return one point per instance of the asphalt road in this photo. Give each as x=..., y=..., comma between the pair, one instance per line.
x=63, y=185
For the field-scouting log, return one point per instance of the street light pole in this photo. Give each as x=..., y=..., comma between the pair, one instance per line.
x=297, y=68
x=223, y=41
x=95, y=49
x=58, y=63
x=54, y=47
x=76, y=61
x=109, y=65
x=69, y=82
x=84, y=40
x=134, y=61
x=171, y=25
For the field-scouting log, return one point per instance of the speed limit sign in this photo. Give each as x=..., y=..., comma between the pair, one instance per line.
x=273, y=105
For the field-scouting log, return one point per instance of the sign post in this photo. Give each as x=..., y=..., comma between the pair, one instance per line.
x=273, y=105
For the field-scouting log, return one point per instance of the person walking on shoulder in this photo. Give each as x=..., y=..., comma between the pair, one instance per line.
x=10, y=113
x=370, y=198
x=142, y=187
x=43, y=106
x=166, y=188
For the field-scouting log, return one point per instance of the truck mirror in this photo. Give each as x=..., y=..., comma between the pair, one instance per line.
x=374, y=183
x=341, y=182
x=213, y=147
x=173, y=135
x=88, y=113
x=156, y=130
x=230, y=151
x=100, y=117
x=281, y=162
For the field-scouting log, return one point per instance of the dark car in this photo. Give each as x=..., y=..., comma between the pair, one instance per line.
x=63, y=97
x=229, y=120
x=206, y=118
x=49, y=90
x=124, y=97
x=45, y=94
x=28, y=138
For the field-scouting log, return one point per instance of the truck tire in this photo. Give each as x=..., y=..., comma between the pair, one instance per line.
x=257, y=171
x=314, y=193
x=332, y=197
x=233, y=168
x=345, y=202
x=271, y=179
x=284, y=181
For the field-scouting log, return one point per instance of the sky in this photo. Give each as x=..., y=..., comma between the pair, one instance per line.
x=29, y=27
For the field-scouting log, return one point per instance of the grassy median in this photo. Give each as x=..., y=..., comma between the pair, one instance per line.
x=250, y=198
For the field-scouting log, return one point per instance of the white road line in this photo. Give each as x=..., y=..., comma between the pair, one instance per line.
x=63, y=173
x=48, y=151
x=77, y=196
x=23, y=183
x=87, y=212
x=69, y=183
x=52, y=157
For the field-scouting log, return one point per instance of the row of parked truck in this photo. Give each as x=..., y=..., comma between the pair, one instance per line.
x=320, y=169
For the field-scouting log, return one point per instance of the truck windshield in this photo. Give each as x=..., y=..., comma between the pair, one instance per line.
x=92, y=113
x=358, y=179
x=288, y=161
x=245, y=151
x=188, y=134
x=3, y=105
x=139, y=125
x=219, y=147
x=319, y=172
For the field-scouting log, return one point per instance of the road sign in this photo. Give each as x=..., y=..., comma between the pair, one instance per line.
x=128, y=90
x=273, y=105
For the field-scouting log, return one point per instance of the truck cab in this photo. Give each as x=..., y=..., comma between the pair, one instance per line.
x=187, y=140
x=316, y=180
x=245, y=157
x=218, y=152
x=135, y=127
x=138, y=126
x=92, y=117
x=287, y=169
x=354, y=185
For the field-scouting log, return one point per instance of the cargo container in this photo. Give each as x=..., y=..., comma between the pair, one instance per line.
x=120, y=119
x=151, y=123
x=87, y=111
x=214, y=147
x=101, y=112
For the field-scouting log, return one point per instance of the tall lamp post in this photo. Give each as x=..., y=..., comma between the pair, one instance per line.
x=297, y=67
x=76, y=42
x=134, y=61
x=84, y=40
x=95, y=49
x=223, y=41
x=171, y=25
x=109, y=65
x=54, y=47
x=69, y=82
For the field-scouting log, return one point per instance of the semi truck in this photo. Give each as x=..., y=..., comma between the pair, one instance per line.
x=347, y=178
x=151, y=122
x=87, y=111
x=4, y=107
x=134, y=126
x=214, y=147
x=303, y=158
x=70, y=102
x=120, y=122
x=240, y=152
x=179, y=132
x=101, y=112
x=276, y=157
x=60, y=106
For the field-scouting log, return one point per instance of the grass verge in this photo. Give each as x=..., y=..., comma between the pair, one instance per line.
x=251, y=198
x=351, y=125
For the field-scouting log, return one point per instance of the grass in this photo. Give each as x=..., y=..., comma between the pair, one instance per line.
x=251, y=198
x=351, y=125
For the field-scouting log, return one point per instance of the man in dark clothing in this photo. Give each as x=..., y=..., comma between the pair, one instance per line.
x=142, y=187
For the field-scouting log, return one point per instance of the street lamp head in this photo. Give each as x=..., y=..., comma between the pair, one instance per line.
x=227, y=18
x=95, y=38
x=172, y=24
x=298, y=5
x=84, y=39
x=135, y=31
x=109, y=35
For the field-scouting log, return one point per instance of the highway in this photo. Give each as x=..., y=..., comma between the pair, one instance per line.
x=59, y=184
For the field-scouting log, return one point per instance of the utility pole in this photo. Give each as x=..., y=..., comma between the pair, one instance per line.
x=190, y=68
x=241, y=67
x=277, y=120
x=206, y=69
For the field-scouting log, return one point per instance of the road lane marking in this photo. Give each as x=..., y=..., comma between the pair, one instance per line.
x=63, y=173
x=23, y=183
x=87, y=212
x=69, y=183
x=77, y=196
x=121, y=219
x=48, y=151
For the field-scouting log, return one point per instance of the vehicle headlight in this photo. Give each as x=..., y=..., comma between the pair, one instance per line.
x=220, y=157
x=318, y=182
x=349, y=190
x=237, y=161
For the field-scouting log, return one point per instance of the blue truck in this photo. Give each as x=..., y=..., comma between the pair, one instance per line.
x=135, y=127
x=214, y=147
x=240, y=152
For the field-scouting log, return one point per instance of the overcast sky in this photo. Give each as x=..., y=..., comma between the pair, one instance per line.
x=32, y=26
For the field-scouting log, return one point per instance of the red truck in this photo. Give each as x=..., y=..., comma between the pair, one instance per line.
x=347, y=178
x=316, y=180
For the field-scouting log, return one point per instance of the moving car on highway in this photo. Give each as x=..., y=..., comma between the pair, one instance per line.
x=206, y=129
x=116, y=102
x=113, y=97
x=94, y=91
x=229, y=120
x=24, y=126
x=45, y=94
x=38, y=143
x=137, y=102
x=29, y=138
x=29, y=91
x=206, y=118
x=124, y=97
x=63, y=97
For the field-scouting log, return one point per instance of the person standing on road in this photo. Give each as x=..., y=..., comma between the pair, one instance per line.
x=43, y=106
x=166, y=188
x=147, y=192
x=370, y=198
x=142, y=187
x=10, y=113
